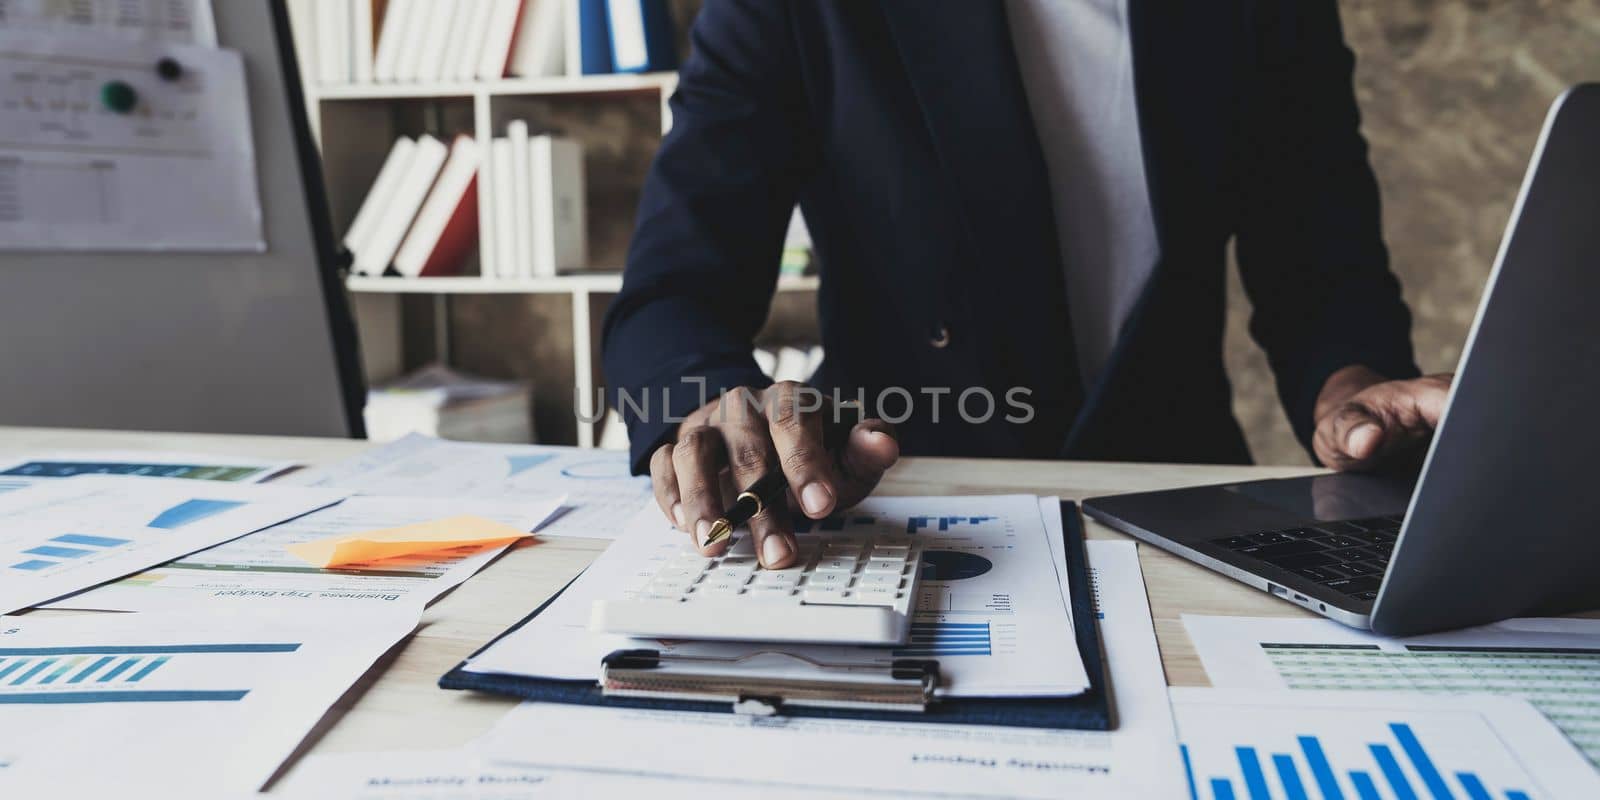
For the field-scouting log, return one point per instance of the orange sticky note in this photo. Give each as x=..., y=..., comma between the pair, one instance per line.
x=422, y=537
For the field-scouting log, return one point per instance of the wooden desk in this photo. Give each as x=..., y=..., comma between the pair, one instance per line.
x=397, y=705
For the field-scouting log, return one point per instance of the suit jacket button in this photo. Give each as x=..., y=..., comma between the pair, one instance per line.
x=939, y=337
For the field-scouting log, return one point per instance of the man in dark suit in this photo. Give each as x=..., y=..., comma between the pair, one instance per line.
x=1021, y=209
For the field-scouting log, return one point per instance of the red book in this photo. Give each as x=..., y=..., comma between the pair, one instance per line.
x=446, y=229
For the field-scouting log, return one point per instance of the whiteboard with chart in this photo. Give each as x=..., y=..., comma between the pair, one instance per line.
x=108, y=144
x=165, y=244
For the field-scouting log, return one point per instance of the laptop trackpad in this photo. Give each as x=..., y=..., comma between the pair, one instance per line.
x=1332, y=497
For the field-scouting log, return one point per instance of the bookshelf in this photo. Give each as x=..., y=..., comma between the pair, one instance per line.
x=545, y=330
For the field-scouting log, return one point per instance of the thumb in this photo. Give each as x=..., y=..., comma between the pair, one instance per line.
x=1351, y=438
x=868, y=453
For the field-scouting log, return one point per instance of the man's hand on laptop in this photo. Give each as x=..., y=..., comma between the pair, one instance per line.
x=1363, y=419
x=748, y=431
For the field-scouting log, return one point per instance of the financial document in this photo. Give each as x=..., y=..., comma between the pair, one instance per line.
x=459, y=775
x=67, y=535
x=259, y=570
x=21, y=472
x=180, y=705
x=1260, y=743
x=1139, y=759
x=990, y=608
x=601, y=495
x=177, y=21
x=98, y=151
x=1552, y=663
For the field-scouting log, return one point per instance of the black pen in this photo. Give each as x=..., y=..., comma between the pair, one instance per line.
x=767, y=490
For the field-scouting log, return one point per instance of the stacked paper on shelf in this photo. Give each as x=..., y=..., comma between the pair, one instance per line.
x=438, y=401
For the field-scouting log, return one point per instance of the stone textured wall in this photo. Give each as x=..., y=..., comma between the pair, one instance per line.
x=1453, y=94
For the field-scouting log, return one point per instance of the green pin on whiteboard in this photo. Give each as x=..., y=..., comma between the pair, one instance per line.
x=119, y=96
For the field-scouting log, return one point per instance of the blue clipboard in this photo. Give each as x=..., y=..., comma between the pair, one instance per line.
x=1090, y=710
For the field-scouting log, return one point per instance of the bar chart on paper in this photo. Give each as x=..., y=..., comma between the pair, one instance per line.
x=1298, y=745
x=118, y=673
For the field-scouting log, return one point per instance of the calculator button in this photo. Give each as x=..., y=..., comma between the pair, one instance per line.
x=740, y=574
x=840, y=579
x=882, y=595
x=660, y=596
x=835, y=564
x=881, y=579
x=825, y=595
x=777, y=578
x=719, y=587
x=885, y=565
x=691, y=561
x=891, y=551
x=770, y=592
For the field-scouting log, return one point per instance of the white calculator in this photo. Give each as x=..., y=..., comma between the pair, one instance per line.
x=846, y=588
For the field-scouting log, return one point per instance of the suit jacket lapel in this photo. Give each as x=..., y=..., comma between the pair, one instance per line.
x=959, y=60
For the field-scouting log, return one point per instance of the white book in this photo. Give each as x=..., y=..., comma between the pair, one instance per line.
x=441, y=16
x=522, y=197
x=560, y=231
x=505, y=248
x=333, y=42
x=461, y=21
x=422, y=15
x=382, y=192
x=466, y=68
x=303, y=21
x=443, y=203
x=391, y=40
x=497, y=45
x=488, y=232
x=539, y=47
x=572, y=33
x=629, y=52
x=362, y=33
x=402, y=208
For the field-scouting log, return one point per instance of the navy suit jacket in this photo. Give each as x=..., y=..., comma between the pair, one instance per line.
x=902, y=129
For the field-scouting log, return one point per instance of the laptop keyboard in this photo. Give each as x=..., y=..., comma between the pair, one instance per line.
x=1349, y=556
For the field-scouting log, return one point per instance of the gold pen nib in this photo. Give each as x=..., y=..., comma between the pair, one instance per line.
x=719, y=531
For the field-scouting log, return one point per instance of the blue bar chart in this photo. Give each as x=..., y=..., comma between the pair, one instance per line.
x=934, y=639
x=191, y=511
x=943, y=524
x=113, y=673
x=1353, y=753
x=62, y=549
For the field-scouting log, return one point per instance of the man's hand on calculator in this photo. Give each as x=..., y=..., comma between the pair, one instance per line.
x=749, y=431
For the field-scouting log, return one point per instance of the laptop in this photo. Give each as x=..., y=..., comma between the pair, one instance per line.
x=1502, y=518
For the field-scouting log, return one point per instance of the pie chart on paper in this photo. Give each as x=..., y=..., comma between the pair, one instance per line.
x=950, y=565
